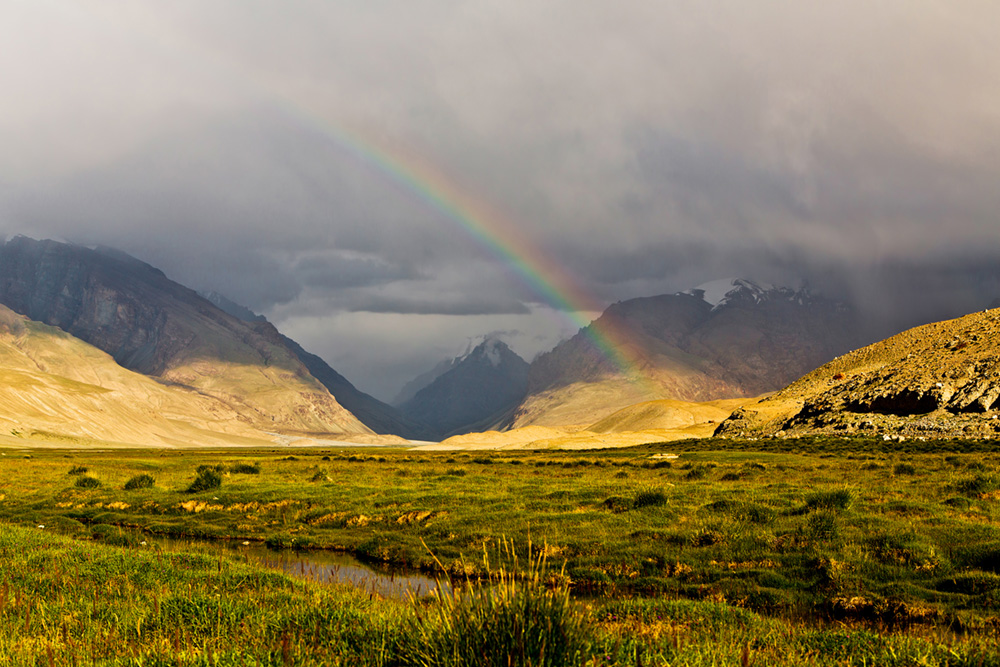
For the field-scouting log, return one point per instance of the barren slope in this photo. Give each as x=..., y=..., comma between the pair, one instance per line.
x=157, y=327
x=654, y=421
x=56, y=388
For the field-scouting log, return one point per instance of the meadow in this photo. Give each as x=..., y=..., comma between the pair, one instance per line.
x=774, y=552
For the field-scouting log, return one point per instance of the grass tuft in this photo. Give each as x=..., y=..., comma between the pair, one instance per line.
x=87, y=482
x=207, y=479
x=838, y=499
x=143, y=481
x=504, y=621
x=649, y=498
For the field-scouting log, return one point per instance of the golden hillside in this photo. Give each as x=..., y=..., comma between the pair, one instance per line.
x=643, y=423
x=157, y=327
x=57, y=389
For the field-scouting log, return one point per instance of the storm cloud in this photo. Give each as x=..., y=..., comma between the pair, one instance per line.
x=641, y=147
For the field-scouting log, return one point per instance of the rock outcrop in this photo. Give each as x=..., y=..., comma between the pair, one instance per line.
x=939, y=379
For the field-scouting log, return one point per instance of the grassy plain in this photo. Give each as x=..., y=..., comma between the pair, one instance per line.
x=767, y=553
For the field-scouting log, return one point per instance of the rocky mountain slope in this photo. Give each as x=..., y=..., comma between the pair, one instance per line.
x=378, y=416
x=154, y=326
x=373, y=413
x=474, y=393
x=941, y=379
x=746, y=341
x=55, y=388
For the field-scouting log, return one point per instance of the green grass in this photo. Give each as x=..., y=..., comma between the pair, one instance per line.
x=790, y=533
x=67, y=602
x=143, y=481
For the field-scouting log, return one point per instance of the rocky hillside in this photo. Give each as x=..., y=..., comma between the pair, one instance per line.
x=373, y=413
x=481, y=386
x=746, y=341
x=378, y=416
x=941, y=379
x=154, y=326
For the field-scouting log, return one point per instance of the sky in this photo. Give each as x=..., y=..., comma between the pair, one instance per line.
x=389, y=180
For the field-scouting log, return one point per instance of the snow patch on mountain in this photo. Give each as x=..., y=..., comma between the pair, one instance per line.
x=729, y=291
x=712, y=292
x=491, y=350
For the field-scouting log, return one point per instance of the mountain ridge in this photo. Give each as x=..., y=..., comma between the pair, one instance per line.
x=754, y=340
x=378, y=416
x=157, y=327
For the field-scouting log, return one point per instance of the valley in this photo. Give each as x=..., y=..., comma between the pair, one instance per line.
x=753, y=487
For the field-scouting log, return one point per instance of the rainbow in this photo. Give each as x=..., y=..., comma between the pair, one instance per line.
x=483, y=223
x=492, y=230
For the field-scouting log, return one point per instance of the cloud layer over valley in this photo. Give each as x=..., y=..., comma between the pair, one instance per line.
x=301, y=157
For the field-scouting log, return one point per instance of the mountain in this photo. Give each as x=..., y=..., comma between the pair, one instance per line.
x=154, y=326
x=373, y=413
x=227, y=305
x=474, y=393
x=940, y=380
x=58, y=389
x=695, y=346
x=376, y=415
x=411, y=388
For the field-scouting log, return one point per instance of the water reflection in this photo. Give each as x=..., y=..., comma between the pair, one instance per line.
x=327, y=567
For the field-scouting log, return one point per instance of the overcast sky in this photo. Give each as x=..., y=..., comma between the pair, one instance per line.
x=641, y=147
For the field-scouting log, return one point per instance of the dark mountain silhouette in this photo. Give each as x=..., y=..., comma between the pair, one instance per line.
x=478, y=389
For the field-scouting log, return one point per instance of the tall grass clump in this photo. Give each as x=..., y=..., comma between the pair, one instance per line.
x=504, y=621
x=245, y=468
x=649, y=498
x=77, y=470
x=207, y=479
x=839, y=499
x=87, y=482
x=142, y=481
x=978, y=485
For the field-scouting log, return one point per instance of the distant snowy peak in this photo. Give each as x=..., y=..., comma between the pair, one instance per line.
x=732, y=291
x=492, y=350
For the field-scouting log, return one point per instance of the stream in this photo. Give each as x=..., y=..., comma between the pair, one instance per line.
x=326, y=567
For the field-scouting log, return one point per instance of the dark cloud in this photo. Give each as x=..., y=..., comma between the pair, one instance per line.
x=295, y=158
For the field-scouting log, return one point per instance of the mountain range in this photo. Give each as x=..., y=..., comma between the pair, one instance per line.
x=153, y=326
x=215, y=367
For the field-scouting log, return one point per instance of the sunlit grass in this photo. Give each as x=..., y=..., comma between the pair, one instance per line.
x=857, y=532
